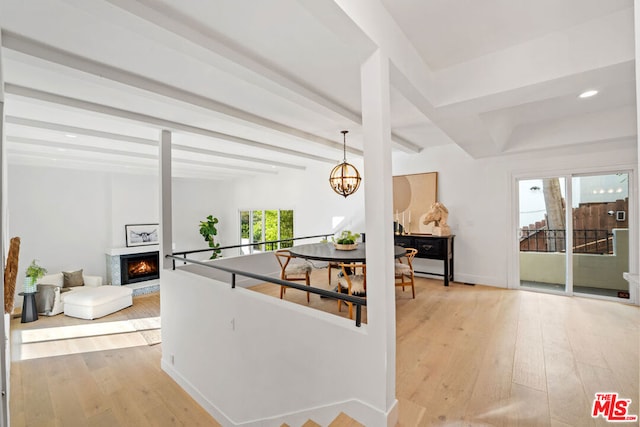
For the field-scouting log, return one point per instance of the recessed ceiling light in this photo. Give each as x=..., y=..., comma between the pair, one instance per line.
x=69, y=135
x=588, y=93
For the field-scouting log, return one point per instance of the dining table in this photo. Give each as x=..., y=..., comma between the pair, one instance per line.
x=326, y=251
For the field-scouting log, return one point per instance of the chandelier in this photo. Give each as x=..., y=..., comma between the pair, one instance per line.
x=344, y=178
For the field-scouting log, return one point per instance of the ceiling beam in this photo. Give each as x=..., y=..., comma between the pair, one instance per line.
x=157, y=122
x=39, y=124
x=171, y=19
x=405, y=144
x=233, y=156
x=55, y=55
x=17, y=154
x=77, y=147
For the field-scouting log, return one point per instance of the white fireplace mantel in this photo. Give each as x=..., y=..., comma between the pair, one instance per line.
x=132, y=250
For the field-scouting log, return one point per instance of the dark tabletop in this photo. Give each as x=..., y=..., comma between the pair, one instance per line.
x=327, y=252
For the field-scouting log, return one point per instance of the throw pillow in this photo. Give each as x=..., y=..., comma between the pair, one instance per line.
x=72, y=278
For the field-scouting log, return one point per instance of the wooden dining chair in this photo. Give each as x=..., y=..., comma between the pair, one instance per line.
x=331, y=265
x=404, y=271
x=352, y=282
x=292, y=269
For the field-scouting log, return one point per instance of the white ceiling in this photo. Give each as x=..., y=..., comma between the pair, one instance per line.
x=252, y=88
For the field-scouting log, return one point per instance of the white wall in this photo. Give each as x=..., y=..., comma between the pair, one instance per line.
x=62, y=217
x=193, y=201
x=134, y=199
x=245, y=356
x=67, y=219
x=478, y=194
x=308, y=193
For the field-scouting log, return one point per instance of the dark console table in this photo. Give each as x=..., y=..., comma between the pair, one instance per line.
x=431, y=247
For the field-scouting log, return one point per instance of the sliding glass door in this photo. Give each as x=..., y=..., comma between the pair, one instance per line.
x=601, y=234
x=583, y=249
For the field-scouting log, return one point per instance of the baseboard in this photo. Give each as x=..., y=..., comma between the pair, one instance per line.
x=212, y=409
x=323, y=415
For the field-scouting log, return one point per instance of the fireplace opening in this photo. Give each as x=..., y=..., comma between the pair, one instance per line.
x=139, y=267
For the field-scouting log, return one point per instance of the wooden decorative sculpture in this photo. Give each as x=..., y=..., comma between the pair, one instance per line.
x=10, y=274
x=438, y=214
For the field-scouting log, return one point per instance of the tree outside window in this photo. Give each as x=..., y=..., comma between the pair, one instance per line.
x=266, y=225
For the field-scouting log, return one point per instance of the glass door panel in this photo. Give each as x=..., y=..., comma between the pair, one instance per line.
x=600, y=207
x=286, y=228
x=245, y=233
x=257, y=234
x=542, y=234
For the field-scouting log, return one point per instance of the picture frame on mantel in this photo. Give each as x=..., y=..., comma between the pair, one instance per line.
x=413, y=196
x=142, y=234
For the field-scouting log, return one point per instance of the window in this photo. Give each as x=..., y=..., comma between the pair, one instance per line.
x=259, y=226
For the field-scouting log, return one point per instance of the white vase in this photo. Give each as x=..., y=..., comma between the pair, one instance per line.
x=29, y=285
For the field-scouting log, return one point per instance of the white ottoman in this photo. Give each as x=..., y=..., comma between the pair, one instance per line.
x=91, y=303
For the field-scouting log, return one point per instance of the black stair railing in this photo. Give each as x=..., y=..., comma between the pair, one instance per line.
x=358, y=302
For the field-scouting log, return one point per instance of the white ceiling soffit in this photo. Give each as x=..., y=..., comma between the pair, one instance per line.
x=499, y=76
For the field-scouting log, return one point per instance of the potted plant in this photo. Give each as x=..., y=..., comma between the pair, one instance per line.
x=33, y=273
x=208, y=230
x=346, y=241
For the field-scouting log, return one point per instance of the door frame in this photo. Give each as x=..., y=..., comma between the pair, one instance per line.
x=513, y=270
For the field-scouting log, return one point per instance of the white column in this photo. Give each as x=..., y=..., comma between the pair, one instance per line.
x=381, y=309
x=166, y=230
x=634, y=250
x=5, y=363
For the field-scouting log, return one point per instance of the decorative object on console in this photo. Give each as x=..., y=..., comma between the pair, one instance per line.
x=32, y=274
x=344, y=178
x=346, y=241
x=438, y=214
x=11, y=274
x=412, y=197
x=208, y=230
x=141, y=234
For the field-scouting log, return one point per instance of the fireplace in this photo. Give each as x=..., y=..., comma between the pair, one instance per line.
x=139, y=267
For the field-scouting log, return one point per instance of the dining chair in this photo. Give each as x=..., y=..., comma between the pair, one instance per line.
x=404, y=272
x=331, y=265
x=292, y=269
x=353, y=282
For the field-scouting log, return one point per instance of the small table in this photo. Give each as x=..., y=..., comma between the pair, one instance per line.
x=29, y=309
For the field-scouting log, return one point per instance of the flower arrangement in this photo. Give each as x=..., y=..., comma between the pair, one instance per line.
x=346, y=241
x=346, y=238
x=33, y=273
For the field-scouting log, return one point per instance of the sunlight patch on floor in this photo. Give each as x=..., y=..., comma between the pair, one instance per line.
x=94, y=336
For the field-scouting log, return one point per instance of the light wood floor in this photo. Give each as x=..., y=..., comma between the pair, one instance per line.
x=120, y=383
x=483, y=356
x=466, y=355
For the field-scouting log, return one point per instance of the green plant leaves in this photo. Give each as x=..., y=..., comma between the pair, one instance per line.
x=207, y=231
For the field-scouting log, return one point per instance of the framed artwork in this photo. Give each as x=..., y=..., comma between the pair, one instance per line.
x=413, y=196
x=142, y=234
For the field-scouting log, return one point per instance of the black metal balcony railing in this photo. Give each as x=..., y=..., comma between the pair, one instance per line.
x=358, y=302
x=272, y=245
x=586, y=241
